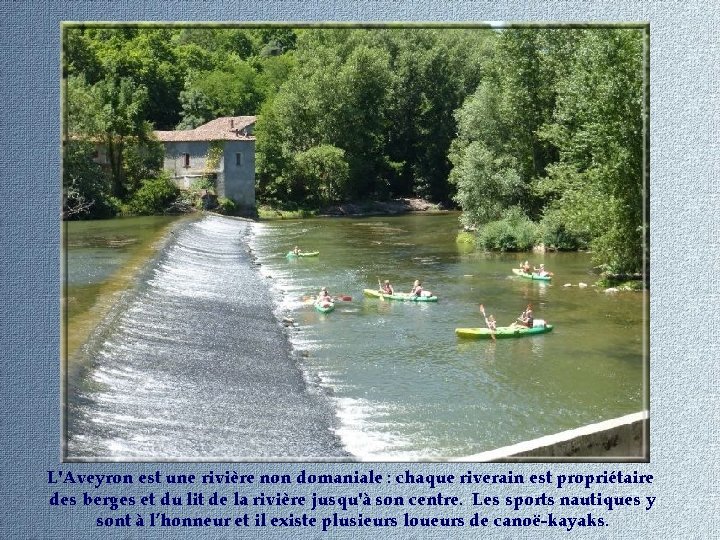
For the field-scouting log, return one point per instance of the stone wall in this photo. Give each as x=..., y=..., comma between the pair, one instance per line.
x=620, y=439
x=234, y=173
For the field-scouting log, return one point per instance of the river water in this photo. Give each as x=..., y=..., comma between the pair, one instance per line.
x=388, y=380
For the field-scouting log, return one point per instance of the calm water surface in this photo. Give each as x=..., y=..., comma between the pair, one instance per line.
x=404, y=386
x=400, y=384
x=97, y=250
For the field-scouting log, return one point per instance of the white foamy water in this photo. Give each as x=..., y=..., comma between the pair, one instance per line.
x=194, y=365
x=366, y=427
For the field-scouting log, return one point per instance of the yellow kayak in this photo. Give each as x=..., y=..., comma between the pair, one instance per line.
x=402, y=297
x=502, y=332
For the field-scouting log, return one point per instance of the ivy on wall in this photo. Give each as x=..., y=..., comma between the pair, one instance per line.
x=215, y=153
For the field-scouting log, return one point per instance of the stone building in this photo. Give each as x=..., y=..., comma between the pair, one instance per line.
x=222, y=150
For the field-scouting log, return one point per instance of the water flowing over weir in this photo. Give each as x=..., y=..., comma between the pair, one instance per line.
x=194, y=365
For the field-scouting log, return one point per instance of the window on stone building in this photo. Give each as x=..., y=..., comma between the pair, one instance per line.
x=238, y=159
x=186, y=160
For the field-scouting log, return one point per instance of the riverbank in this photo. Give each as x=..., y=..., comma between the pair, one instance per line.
x=355, y=209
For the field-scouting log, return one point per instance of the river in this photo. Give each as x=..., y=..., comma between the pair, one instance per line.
x=398, y=383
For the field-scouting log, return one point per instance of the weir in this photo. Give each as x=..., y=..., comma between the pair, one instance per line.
x=193, y=364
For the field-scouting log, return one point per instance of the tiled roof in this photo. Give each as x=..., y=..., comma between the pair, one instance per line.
x=226, y=128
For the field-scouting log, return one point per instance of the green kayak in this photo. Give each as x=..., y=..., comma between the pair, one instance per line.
x=502, y=332
x=292, y=254
x=402, y=297
x=538, y=277
x=325, y=307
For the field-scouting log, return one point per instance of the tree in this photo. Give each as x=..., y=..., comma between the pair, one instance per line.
x=363, y=82
x=196, y=108
x=275, y=41
x=321, y=175
x=120, y=106
x=147, y=58
x=79, y=56
x=154, y=196
x=486, y=184
x=85, y=185
x=142, y=160
x=334, y=96
x=230, y=90
x=597, y=183
x=514, y=99
x=272, y=71
x=109, y=113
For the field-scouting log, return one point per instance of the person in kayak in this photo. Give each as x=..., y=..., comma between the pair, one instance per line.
x=541, y=271
x=296, y=250
x=489, y=321
x=324, y=296
x=525, y=319
x=525, y=267
x=387, y=288
x=417, y=288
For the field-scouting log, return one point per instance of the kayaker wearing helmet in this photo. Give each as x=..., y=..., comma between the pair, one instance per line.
x=417, y=288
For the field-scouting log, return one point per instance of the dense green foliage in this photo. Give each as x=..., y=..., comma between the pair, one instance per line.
x=384, y=97
x=320, y=175
x=153, y=197
x=514, y=232
x=226, y=206
x=596, y=187
x=86, y=191
x=537, y=134
x=555, y=129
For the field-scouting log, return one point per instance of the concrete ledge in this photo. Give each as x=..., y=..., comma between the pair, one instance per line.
x=620, y=439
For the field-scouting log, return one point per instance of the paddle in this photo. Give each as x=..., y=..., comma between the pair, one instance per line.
x=380, y=290
x=490, y=326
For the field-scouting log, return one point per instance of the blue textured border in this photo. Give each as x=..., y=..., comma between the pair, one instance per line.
x=684, y=250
